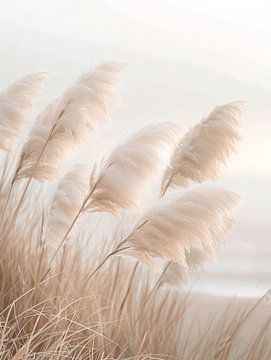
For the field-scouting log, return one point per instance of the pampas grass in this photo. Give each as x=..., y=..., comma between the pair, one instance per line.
x=63, y=126
x=198, y=157
x=15, y=105
x=205, y=147
x=50, y=306
x=67, y=202
x=195, y=260
x=119, y=183
x=68, y=122
x=179, y=223
x=131, y=165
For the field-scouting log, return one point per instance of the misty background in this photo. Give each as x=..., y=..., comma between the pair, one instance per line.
x=187, y=57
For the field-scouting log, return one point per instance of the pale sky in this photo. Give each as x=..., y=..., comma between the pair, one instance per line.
x=192, y=54
x=188, y=56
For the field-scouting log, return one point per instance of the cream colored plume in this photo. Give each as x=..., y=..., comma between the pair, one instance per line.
x=200, y=154
x=195, y=259
x=68, y=122
x=15, y=105
x=131, y=165
x=68, y=199
x=194, y=219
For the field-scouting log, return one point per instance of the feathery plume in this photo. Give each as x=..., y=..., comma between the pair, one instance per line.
x=199, y=155
x=194, y=219
x=67, y=122
x=66, y=204
x=195, y=260
x=131, y=165
x=15, y=104
x=119, y=184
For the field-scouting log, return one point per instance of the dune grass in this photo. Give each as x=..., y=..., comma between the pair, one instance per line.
x=69, y=317
x=69, y=289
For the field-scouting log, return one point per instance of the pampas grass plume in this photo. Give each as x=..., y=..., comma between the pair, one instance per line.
x=131, y=166
x=195, y=260
x=205, y=147
x=194, y=219
x=66, y=203
x=15, y=105
x=67, y=122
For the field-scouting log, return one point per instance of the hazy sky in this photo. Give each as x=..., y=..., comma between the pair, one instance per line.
x=192, y=54
x=188, y=56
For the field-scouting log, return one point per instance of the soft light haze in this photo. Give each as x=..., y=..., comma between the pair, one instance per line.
x=187, y=56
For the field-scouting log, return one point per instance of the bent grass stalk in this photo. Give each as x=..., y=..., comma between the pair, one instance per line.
x=152, y=293
x=117, y=249
x=114, y=252
x=158, y=283
x=129, y=288
x=31, y=176
x=70, y=228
